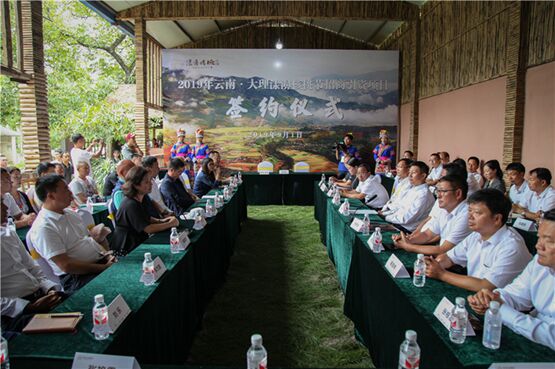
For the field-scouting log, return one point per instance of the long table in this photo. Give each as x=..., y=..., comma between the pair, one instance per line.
x=382, y=307
x=165, y=316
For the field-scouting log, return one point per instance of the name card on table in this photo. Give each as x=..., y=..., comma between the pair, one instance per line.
x=208, y=197
x=443, y=313
x=525, y=224
x=521, y=366
x=83, y=360
x=330, y=192
x=323, y=187
x=159, y=267
x=364, y=211
x=264, y=173
x=396, y=268
x=357, y=224
x=284, y=171
x=184, y=240
x=118, y=310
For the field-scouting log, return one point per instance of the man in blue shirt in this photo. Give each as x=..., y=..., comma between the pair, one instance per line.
x=341, y=151
x=175, y=196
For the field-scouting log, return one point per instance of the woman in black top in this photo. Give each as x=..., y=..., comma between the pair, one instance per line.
x=494, y=176
x=207, y=179
x=133, y=222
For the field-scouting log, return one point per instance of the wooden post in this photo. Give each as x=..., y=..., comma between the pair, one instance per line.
x=415, y=77
x=141, y=110
x=33, y=98
x=516, y=57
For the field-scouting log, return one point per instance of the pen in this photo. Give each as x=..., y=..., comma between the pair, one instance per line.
x=66, y=315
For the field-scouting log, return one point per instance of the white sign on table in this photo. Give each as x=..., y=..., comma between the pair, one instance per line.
x=83, y=360
x=357, y=224
x=525, y=224
x=323, y=187
x=118, y=310
x=396, y=268
x=159, y=268
x=264, y=173
x=284, y=171
x=443, y=313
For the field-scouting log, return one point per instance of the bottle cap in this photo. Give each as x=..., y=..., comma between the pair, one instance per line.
x=494, y=305
x=148, y=255
x=420, y=256
x=410, y=335
x=460, y=301
x=99, y=299
x=174, y=229
x=256, y=339
x=378, y=229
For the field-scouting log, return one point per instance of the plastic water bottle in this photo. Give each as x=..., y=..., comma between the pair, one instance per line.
x=336, y=197
x=210, y=211
x=10, y=226
x=148, y=270
x=226, y=193
x=4, y=358
x=323, y=180
x=346, y=207
x=100, y=318
x=419, y=277
x=89, y=204
x=409, y=353
x=174, y=241
x=257, y=357
x=492, y=327
x=377, y=238
x=366, y=227
x=459, y=318
x=239, y=178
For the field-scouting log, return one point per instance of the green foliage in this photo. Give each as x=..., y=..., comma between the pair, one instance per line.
x=10, y=115
x=100, y=169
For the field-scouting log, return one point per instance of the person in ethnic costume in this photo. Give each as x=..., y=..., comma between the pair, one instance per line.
x=384, y=153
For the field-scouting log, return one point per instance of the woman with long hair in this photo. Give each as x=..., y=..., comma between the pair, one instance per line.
x=494, y=176
x=207, y=179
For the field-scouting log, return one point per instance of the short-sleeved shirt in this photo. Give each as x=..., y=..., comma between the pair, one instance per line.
x=13, y=209
x=544, y=202
x=79, y=155
x=499, y=259
x=78, y=186
x=453, y=226
x=54, y=234
x=520, y=195
x=131, y=220
x=375, y=194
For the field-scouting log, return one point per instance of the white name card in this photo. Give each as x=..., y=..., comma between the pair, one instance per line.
x=357, y=224
x=264, y=173
x=330, y=192
x=284, y=171
x=209, y=196
x=184, y=240
x=83, y=360
x=396, y=268
x=521, y=366
x=159, y=268
x=118, y=310
x=323, y=187
x=525, y=224
x=443, y=313
x=364, y=211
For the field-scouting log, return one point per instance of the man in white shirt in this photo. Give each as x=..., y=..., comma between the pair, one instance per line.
x=60, y=237
x=150, y=163
x=519, y=191
x=534, y=290
x=401, y=185
x=20, y=219
x=369, y=189
x=415, y=203
x=542, y=198
x=451, y=225
x=493, y=253
x=473, y=167
x=79, y=153
x=435, y=170
x=444, y=157
x=25, y=290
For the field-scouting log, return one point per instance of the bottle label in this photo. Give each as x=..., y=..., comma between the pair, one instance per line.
x=408, y=362
x=417, y=272
x=455, y=323
x=263, y=364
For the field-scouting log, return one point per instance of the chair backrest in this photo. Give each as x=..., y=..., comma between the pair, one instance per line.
x=301, y=167
x=43, y=263
x=185, y=179
x=265, y=166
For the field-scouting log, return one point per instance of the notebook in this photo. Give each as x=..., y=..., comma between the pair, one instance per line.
x=49, y=323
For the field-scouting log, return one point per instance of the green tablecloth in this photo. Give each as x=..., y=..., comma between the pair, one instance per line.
x=382, y=307
x=164, y=317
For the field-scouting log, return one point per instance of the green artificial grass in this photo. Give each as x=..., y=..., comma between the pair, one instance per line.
x=282, y=285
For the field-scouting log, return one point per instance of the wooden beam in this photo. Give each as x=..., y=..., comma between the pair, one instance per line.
x=184, y=31
x=369, y=39
x=15, y=75
x=265, y=9
x=141, y=110
x=415, y=100
x=7, y=49
x=19, y=35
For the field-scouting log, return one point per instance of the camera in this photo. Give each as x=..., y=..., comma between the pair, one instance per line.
x=340, y=146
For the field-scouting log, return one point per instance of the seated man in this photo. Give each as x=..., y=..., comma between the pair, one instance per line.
x=493, y=253
x=25, y=289
x=42, y=170
x=519, y=191
x=60, y=237
x=435, y=170
x=451, y=224
x=533, y=289
x=14, y=211
x=369, y=189
x=110, y=182
x=415, y=204
x=176, y=197
x=400, y=186
x=542, y=198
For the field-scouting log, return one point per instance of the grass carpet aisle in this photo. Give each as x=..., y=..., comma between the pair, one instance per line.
x=282, y=285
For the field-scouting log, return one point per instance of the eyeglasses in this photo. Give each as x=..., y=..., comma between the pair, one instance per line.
x=443, y=192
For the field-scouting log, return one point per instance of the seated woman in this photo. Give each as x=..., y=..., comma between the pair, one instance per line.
x=494, y=176
x=350, y=181
x=133, y=222
x=83, y=186
x=207, y=179
x=20, y=197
